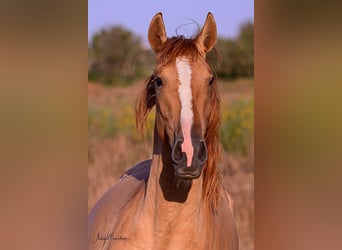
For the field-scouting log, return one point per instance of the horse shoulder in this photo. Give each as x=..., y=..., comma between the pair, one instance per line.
x=105, y=215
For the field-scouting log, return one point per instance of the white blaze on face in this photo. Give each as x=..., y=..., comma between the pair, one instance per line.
x=185, y=96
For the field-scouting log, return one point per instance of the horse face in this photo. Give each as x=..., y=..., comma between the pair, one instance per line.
x=183, y=91
x=182, y=87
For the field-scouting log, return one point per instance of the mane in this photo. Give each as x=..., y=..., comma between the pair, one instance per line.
x=175, y=47
x=212, y=174
x=212, y=171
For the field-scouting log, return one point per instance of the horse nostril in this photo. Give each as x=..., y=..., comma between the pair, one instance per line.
x=176, y=154
x=202, y=152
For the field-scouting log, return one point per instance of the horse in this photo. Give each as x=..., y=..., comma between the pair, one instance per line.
x=175, y=200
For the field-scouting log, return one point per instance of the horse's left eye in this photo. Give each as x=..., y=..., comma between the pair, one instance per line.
x=212, y=81
x=158, y=81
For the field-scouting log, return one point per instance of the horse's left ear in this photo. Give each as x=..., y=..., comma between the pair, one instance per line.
x=206, y=39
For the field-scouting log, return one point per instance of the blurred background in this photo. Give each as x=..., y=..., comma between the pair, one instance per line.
x=119, y=60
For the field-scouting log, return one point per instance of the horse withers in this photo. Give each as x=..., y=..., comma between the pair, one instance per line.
x=175, y=200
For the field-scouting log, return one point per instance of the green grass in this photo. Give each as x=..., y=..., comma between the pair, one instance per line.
x=237, y=125
x=104, y=123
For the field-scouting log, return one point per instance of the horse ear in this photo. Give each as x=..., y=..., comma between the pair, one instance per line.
x=206, y=39
x=156, y=32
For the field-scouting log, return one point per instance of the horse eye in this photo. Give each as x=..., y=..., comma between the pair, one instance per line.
x=212, y=81
x=158, y=81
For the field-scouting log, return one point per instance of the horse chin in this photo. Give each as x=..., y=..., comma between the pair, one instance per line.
x=182, y=183
x=183, y=179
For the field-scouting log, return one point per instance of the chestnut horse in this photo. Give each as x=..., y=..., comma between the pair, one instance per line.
x=176, y=199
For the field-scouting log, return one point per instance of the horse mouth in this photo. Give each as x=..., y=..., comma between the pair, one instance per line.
x=188, y=173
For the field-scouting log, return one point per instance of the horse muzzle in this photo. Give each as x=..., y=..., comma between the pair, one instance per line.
x=179, y=159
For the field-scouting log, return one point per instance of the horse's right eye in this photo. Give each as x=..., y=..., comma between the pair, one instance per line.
x=158, y=81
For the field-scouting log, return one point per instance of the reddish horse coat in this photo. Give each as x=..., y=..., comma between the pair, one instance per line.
x=176, y=199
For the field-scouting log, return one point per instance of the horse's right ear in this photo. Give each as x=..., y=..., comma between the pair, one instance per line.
x=156, y=32
x=145, y=102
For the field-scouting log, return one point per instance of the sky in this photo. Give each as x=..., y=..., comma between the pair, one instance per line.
x=136, y=15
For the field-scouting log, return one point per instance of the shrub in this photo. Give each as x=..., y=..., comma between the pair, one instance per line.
x=116, y=56
x=237, y=125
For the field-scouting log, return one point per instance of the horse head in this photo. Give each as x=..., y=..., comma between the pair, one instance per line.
x=184, y=90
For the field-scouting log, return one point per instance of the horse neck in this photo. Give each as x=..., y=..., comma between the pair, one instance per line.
x=166, y=196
